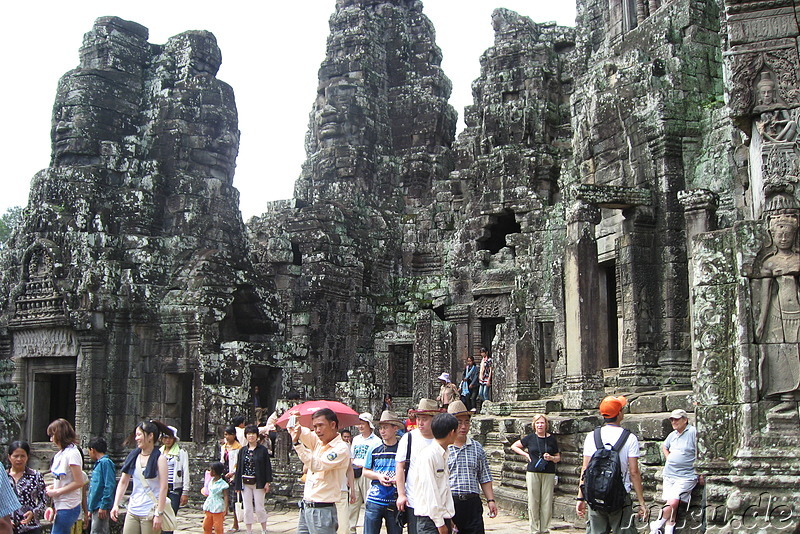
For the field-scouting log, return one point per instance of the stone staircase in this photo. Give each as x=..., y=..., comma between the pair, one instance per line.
x=501, y=424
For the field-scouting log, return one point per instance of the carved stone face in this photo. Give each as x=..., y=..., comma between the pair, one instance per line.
x=766, y=93
x=783, y=231
x=333, y=117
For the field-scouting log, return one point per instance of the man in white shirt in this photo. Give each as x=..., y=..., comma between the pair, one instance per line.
x=411, y=444
x=434, y=499
x=362, y=444
x=620, y=521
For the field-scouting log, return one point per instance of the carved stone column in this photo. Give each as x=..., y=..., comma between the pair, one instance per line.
x=700, y=213
x=583, y=383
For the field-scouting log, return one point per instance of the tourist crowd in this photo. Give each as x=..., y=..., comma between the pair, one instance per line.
x=424, y=474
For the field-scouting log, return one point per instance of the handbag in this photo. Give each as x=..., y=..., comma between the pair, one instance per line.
x=168, y=520
x=248, y=479
x=541, y=463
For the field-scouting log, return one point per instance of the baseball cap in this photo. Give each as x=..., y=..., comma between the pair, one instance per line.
x=678, y=414
x=611, y=406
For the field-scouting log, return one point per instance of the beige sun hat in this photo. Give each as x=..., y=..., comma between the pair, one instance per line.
x=391, y=418
x=427, y=406
x=458, y=408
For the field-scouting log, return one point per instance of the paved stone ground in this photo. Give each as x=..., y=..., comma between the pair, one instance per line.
x=284, y=521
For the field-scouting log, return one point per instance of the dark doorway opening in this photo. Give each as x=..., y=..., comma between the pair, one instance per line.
x=610, y=311
x=488, y=332
x=178, y=403
x=53, y=398
x=268, y=379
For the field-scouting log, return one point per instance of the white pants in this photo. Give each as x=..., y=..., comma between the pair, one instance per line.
x=253, y=500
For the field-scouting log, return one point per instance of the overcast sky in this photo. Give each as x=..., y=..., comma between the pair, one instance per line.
x=271, y=51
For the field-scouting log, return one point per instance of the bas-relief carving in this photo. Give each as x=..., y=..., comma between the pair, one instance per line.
x=776, y=123
x=51, y=342
x=776, y=304
x=747, y=63
x=491, y=307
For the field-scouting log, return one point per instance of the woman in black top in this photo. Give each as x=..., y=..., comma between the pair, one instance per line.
x=541, y=451
x=252, y=478
x=29, y=487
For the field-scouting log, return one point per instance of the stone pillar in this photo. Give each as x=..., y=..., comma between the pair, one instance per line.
x=638, y=361
x=700, y=213
x=583, y=383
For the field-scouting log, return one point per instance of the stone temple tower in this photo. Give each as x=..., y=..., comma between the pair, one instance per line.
x=127, y=293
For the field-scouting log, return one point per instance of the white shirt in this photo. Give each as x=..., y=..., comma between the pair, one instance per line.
x=610, y=434
x=63, y=459
x=361, y=447
x=432, y=482
x=417, y=444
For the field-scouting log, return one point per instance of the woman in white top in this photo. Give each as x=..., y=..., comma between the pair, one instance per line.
x=67, y=470
x=146, y=464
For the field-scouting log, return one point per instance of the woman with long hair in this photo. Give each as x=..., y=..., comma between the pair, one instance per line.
x=29, y=487
x=67, y=470
x=253, y=475
x=148, y=468
x=541, y=451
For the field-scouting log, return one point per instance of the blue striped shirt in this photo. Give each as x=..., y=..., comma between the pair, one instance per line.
x=8, y=499
x=381, y=459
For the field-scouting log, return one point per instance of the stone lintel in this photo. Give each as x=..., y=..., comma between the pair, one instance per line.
x=613, y=196
x=492, y=290
x=698, y=199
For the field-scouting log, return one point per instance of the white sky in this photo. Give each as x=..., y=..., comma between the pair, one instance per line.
x=271, y=51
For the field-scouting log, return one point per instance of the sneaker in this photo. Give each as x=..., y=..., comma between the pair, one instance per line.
x=655, y=526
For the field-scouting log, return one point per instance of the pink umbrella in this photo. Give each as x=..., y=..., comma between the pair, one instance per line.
x=347, y=416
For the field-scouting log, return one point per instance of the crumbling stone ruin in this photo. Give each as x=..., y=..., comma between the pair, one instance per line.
x=619, y=215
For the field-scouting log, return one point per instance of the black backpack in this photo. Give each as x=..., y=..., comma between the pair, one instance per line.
x=602, y=487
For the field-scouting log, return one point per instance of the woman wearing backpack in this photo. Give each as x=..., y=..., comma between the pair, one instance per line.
x=541, y=451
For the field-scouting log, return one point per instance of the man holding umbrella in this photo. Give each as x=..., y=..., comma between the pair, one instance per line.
x=327, y=458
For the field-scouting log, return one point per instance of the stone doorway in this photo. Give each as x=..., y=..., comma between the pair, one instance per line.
x=51, y=394
x=488, y=331
x=610, y=318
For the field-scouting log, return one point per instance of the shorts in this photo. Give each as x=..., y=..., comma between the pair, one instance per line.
x=678, y=488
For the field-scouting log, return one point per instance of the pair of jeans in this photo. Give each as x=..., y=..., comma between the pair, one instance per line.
x=65, y=519
x=375, y=514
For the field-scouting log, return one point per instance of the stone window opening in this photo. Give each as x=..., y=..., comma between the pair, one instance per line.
x=245, y=319
x=494, y=238
x=401, y=368
x=547, y=352
x=297, y=256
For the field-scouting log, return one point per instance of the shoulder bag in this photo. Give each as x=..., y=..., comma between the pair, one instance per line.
x=169, y=522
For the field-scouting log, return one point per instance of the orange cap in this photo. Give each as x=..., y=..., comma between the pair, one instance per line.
x=611, y=406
